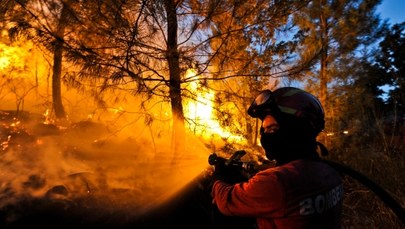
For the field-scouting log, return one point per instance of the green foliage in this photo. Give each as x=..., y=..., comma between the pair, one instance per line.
x=391, y=67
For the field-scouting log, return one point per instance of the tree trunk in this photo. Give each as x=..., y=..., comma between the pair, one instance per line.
x=56, y=82
x=57, y=65
x=323, y=71
x=175, y=80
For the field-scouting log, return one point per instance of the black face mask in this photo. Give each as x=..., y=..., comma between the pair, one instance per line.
x=291, y=142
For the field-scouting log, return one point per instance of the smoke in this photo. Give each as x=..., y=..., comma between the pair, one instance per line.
x=94, y=165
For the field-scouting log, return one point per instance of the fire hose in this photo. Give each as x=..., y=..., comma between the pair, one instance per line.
x=250, y=167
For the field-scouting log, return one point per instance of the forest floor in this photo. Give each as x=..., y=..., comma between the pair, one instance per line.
x=189, y=209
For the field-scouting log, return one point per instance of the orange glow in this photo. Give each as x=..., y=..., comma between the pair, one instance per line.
x=4, y=62
x=24, y=75
x=11, y=57
x=131, y=155
x=200, y=111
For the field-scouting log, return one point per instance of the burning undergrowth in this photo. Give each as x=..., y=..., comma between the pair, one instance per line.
x=84, y=170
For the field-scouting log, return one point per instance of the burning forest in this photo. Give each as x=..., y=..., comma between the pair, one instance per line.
x=107, y=167
x=110, y=110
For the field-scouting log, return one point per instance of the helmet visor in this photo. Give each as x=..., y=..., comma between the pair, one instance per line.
x=264, y=104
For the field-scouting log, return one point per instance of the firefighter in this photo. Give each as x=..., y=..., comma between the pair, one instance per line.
x=301, y=191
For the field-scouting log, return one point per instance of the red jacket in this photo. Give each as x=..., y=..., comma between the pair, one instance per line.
x=299, y=194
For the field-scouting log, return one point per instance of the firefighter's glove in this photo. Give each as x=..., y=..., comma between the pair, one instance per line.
x=229, y=174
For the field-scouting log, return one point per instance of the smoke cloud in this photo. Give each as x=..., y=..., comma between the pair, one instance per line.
x=94, y=165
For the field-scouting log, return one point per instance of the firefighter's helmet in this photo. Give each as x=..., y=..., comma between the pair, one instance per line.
x=292, y=101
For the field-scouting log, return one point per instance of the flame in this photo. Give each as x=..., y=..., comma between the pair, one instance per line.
x=4, y=62
x=47, y=116
x=16, y=123
x=201, y=112
x=11, y=56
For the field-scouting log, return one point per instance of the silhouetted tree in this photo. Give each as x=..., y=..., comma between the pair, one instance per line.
x=390, y=63
x=46, y=23
x=330, y=30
